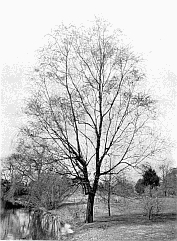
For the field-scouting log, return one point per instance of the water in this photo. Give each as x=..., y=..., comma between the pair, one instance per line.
x=15, y=224
x=37, y=224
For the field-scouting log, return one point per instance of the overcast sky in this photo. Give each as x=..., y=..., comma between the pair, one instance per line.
x=150, y=27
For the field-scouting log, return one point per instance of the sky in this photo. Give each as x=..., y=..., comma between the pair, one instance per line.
x=149, y=26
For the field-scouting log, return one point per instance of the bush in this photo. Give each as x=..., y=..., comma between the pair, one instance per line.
x=152, y=204
x=50, y=190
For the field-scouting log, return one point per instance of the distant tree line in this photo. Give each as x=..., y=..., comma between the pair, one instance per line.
x=167, y=183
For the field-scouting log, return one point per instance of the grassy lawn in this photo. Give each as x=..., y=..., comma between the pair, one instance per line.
x=149, y=232
x=128, y=223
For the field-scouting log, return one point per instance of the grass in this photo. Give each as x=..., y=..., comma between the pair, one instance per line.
x=129, y=224
x=129, y=232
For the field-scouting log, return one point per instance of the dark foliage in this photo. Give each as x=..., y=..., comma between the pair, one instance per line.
x=150, y=178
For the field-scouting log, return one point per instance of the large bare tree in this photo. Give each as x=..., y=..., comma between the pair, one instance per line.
x=89, y=103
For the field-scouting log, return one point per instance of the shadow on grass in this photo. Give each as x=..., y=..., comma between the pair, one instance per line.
x=132, y=219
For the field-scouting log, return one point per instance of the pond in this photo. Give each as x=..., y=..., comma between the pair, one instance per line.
x=15, y=224
x=36, y=224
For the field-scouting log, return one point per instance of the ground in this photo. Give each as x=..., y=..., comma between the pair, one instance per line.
x=129, y=224
x=129, y=229
x=158, y=232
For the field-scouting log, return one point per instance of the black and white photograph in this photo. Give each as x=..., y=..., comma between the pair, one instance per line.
x=88, y=114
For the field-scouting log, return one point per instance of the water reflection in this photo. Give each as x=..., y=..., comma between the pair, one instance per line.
x=15, y=224
x=36, y=224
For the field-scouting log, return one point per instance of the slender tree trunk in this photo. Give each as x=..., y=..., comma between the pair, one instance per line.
x=166, y=188
x=150, y=212
x=109, y=193
x=165, y=193
x=150, y=193
x=109, y=206
x=90, y=205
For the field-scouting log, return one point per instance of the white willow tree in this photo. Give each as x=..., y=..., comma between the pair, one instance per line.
x=89, y=104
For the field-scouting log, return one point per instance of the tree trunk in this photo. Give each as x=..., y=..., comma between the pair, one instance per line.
x=150, y=193
x=109, y=194
x=90, y=204
x=150, y=212
x=165, y=193
x=109, y=191
x=109, y=206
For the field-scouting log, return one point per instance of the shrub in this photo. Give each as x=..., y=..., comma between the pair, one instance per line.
x=151, y=204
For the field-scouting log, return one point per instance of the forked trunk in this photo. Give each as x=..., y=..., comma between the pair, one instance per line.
x=90, y=204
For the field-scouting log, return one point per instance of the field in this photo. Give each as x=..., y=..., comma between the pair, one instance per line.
x=127, y=222
x=158, y=232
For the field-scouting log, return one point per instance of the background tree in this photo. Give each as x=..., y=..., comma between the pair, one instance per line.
x=35, y=175
x=5, y=187
x=106, y=187
x=50, y=190
x=171, y=181
x=150, y=179
x=150, y=200
x=164, y=168
x=105, y=191
x=140, y=187
x=114, y=185
x=123, y=186
x=89, y=103
x=168, y=179
x=12, y=184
